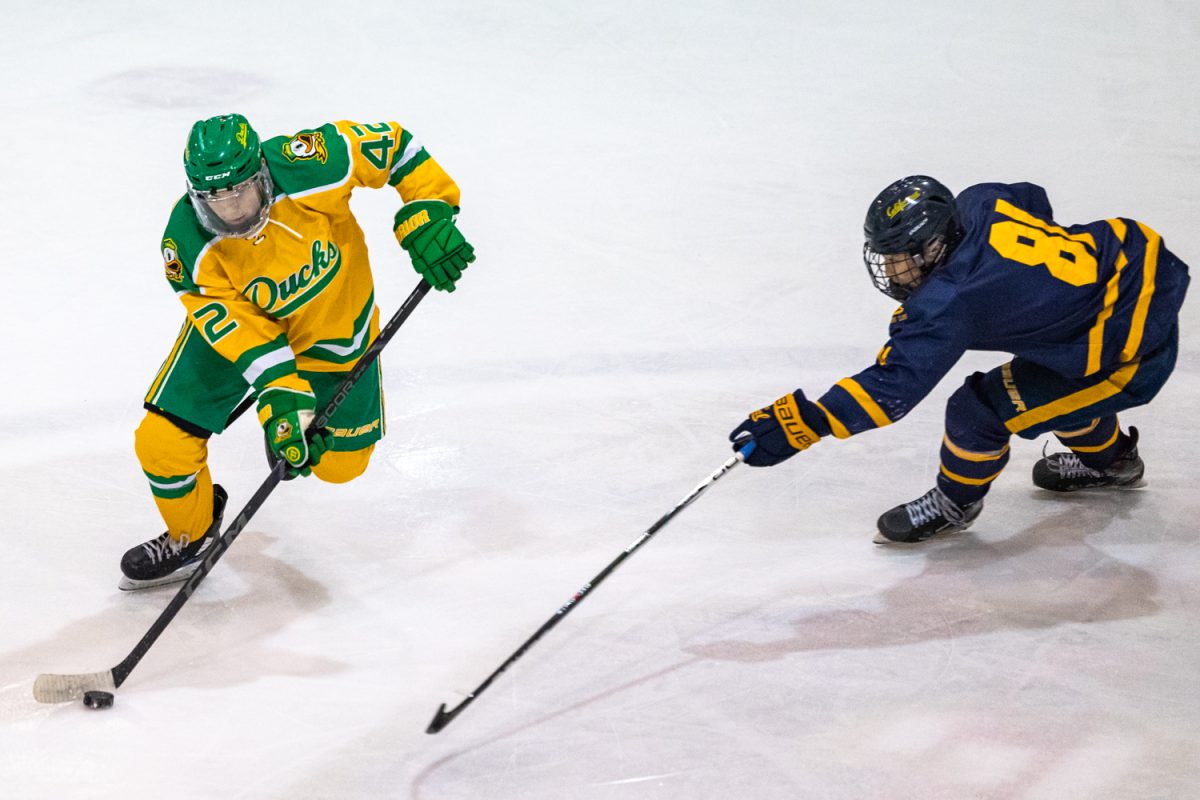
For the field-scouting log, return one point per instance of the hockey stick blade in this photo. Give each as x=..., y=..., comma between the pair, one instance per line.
x=65, y=688
x=442, y=718
x=61, y=688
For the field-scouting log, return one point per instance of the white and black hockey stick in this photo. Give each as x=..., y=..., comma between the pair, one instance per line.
x=63, y=688
x=443, y=717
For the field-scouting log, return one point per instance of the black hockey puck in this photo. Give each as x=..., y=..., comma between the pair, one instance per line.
x=98, y=700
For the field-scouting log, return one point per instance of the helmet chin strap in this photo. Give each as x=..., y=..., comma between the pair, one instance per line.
x=256, y=232
x=936, y=250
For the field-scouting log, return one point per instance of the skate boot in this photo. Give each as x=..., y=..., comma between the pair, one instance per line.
x=931, y=513
x=1064, y=472
x=163, y=560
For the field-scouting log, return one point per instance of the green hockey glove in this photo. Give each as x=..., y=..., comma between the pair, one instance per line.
x=285, y=412
x=439, y=253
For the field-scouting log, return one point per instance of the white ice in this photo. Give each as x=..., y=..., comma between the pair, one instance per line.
x=666, y=200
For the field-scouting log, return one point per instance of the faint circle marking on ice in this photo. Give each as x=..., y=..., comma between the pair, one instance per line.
x=179, y=87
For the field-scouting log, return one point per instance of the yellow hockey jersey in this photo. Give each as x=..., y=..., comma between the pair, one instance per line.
x=300, y=296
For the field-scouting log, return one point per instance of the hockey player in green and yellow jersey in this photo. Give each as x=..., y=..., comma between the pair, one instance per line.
x=272, y=269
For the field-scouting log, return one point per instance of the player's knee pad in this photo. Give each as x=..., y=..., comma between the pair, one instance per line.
x=342, y=466
x=163, y=448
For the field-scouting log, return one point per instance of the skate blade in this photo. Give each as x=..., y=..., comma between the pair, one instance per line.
x=128, y=584
x=945, y=532
x=1108, y=487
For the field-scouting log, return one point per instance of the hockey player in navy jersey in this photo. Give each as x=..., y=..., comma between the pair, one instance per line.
x=1089, y=312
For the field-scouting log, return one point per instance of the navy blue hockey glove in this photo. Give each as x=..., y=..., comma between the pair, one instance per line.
x=779, y=432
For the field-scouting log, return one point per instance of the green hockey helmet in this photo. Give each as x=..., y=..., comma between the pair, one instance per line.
x=228, y=180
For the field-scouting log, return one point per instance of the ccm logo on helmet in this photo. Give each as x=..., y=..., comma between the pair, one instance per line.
x=224, y=174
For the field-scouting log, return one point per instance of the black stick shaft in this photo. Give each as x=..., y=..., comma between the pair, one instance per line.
x=122, y=670
x=242, y=408
x=443, y=717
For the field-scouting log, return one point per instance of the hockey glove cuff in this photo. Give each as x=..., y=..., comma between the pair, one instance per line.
x=780, y=430
x=439, y=253
x=285, y=410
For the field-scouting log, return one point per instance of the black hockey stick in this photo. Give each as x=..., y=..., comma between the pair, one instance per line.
x=443, y=717
x=242, y=407
x=61, y=688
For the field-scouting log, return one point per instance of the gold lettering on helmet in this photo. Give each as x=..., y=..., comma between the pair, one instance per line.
x=898, y=206
x=243, y=130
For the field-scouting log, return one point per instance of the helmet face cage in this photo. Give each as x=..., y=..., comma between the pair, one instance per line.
x=898, y=274
x=240, y=210
x=910, y=230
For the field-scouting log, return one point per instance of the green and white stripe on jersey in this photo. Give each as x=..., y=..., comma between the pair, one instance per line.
x=345, y=351
x=408, y=156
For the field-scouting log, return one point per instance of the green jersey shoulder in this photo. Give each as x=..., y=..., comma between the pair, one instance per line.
x=307, y=161
x=182, y=245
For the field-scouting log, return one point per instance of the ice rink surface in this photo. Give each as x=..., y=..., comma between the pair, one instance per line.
x=667, y=203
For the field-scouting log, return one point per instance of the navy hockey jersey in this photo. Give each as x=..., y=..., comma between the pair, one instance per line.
x=1080, y=300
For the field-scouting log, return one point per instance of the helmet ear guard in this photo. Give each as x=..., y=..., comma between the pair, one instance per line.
x=910, y=230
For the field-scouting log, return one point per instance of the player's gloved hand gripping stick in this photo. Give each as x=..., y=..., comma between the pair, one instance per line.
x=443, y=717
x=62, y=688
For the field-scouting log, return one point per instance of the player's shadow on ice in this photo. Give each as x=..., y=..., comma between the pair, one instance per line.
x=216, y=640
x=1046, y=575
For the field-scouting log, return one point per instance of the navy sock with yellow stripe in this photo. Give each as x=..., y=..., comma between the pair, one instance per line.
x=1097, y=444
x=975, y=447
x=966, y=475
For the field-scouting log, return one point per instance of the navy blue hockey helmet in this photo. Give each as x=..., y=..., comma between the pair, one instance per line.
x=910, y=230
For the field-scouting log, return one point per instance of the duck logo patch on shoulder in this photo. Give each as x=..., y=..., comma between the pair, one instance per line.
x=171, y=262
x=305, y=147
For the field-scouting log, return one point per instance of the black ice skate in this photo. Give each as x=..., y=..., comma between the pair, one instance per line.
x=931, y=513
x=162, y=560
x=1064, y=472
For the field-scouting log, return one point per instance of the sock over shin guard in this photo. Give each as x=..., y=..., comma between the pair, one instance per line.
x=1096, y=444
x=975, y=447
x=174, y=462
